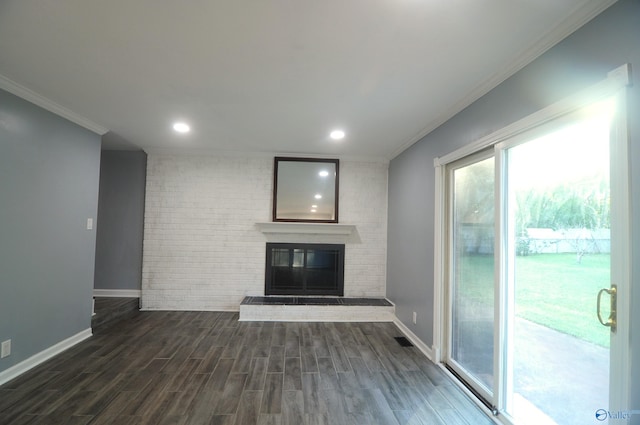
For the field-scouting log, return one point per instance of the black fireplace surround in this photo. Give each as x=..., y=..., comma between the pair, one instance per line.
x=304, y=269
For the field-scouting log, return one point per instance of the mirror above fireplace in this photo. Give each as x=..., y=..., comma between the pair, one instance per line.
x=305, y=190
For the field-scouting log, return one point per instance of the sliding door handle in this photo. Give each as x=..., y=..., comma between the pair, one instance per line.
x=611, y=321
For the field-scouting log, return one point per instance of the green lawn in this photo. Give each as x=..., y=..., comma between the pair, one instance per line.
x=556, y=291
x=553, y=290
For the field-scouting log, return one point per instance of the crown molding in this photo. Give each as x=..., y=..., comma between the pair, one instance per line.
x=48, y=104
x=165, y=151
x=577, y=19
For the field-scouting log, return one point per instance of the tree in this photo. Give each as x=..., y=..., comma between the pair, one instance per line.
x=565, y=206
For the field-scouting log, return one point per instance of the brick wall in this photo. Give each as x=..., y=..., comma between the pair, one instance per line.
x=202, y=250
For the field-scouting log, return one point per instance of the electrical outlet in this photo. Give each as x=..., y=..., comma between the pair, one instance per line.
x=415, y=317
x=5, y=350
x=89, y=224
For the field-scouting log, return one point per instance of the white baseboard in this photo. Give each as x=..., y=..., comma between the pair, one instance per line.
x=42, y=356
x=414, y=338
x=225, y=310
x=117, y=293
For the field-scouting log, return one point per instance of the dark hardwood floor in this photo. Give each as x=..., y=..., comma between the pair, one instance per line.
x=110, y=310
x=208, y=368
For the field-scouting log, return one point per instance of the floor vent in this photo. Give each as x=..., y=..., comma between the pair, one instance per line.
x=403, y=341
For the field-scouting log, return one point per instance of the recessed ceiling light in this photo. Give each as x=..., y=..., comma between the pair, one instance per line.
x=314, y=206
x=181, y=127
x=323, y=173
x=318, y=196
x=337, y=134
x=313, y=210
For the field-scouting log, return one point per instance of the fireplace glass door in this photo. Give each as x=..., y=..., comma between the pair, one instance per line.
x=304, y=269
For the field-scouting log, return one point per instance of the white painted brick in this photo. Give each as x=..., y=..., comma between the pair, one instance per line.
x=310, y=313
x=202, y=250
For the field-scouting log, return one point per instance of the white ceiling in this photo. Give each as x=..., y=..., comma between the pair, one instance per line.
x=274, y=76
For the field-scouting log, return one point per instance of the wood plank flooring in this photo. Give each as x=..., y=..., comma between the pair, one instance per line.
x=113, y=309
x=177, y=368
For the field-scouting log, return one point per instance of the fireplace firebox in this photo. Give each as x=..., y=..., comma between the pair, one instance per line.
x=304, y=269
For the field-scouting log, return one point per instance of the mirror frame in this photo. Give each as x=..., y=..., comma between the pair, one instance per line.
x=277, y=161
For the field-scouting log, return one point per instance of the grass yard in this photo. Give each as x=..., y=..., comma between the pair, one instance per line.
x=556, y=291
x=553, y=290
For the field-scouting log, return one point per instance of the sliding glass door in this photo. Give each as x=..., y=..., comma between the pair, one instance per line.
x=472, y=227
x=556, y=203
x=535, y=268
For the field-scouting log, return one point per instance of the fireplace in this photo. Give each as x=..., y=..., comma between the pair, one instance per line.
x=304, y=269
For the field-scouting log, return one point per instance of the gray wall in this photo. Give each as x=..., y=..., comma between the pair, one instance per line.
x=120, y=220
x=584, y=58
x=48, y=188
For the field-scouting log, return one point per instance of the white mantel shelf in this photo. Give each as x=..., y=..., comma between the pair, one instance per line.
x=307, y=228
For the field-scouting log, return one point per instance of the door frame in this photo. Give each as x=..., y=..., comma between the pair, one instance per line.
x=614, y=86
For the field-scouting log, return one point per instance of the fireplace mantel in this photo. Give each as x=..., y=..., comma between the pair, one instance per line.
x=306, y=228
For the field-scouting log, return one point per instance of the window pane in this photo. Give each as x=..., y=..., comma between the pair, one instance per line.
x=561, y=238
x=473, y=271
